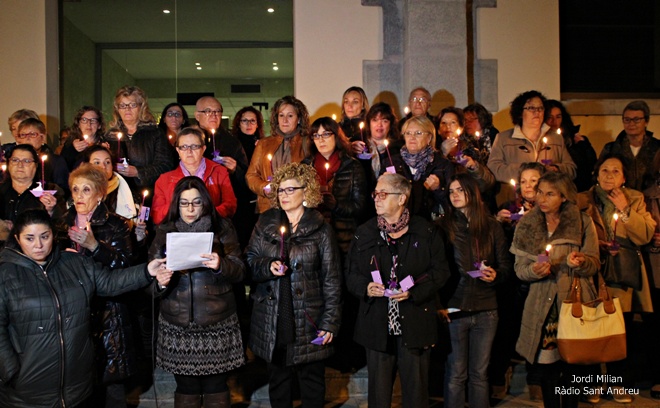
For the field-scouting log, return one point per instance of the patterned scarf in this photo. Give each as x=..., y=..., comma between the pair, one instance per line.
x=607, y=209
x=418, y=161
x=282, y=154
x=402, y=223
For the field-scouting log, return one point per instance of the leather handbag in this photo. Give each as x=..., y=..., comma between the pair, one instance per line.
x=625, y=268
x=592, y=332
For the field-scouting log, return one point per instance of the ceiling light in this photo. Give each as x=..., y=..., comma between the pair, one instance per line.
x=198, y=64
x=275, y=68
x=166, y=11
x=271, y=10
x=274, y=63
x=199, y=68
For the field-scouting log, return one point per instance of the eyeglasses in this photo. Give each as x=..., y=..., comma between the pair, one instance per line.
x=288, y=190
x=632, y=120
x=210, y=112
x=418, y=99
x=185, y=148
x=248, y=121
x=382, y=195
x=468, y=119
x=324, y=135
x=131, y=105
x=31, y=135
x=173, y=114
x=196, y=203
x=91, y=121
x=15, y=161
x=534, y=109
x=417, y=133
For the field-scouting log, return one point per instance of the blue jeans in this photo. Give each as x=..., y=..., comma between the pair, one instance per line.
x=471, y=340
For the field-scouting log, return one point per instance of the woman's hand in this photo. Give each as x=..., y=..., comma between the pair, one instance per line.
x=358, y=146
x=375, y=289
x=130, y=171
x=157, y=266
x=400, y=297
x=444, y=315
x=80, y=145
x=327, y=336
x=617, y=198
x=229, y=163
x=140, y=231
x=213, y=261
x=504, y=216
x=489, y=274
x=448, y=145
x=470, y=163
x=432, y=183
x=83, y=237
x=575, y=259
x=49, y=201
x=541, y=269
x=275, y=267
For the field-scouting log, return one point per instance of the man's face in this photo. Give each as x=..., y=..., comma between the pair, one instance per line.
x=208, y=113
x=419, y=103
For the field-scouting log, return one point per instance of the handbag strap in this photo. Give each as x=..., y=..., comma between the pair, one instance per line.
x=575, y=297
x=604, y=295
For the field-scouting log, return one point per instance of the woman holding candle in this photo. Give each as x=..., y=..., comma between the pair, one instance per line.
x=480, y=262
x=88, y=129
x=354, y=107
x=398, y=331
x=142, y=144
x=554, y=220
x=297, y=300
x=524, y=143
x=632, y=228
x=96, y=232
x=199, y=338
x=425, y=168
x=288, y=143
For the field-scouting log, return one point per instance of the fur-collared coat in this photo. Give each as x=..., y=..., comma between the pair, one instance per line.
x=639, y=229
x=575, y=232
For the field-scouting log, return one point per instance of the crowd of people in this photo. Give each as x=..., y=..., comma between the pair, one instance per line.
x=365, y=240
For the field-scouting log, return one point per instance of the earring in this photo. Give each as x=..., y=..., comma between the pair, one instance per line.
x=304, y=203
x=99, y=202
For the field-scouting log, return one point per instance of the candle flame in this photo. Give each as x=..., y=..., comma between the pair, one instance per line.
x=386, y=142
x=476, y=134
x=43, y=158
x=119, y=135
x=406, y=110
x=282, y=230
x=458, y=132
x=170, y=137
x=145, y=193
x=548, y=248
x=327, y=166
x=85, y=137
x=559, y=131
x=513, y=183
x=545, y=140
x=334, y=117
x=616, y=217
x=361, y=125
x=270, y=157
x=4, y=167
x=213, y=132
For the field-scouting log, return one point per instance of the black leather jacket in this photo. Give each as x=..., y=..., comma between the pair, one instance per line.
x=46, y=353
x=201, y=295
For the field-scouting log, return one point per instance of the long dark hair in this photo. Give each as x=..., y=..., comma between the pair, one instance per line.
x=163, y=125
x=236, y=124
x=342, y=145
x=476, y=212
x=384, y=110
x=74, y=130
x=188, y=183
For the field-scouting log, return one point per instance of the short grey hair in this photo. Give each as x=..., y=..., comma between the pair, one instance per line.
x=398, y=183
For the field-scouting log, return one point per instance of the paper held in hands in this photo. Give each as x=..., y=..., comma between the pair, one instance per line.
x=405, y=285
x=184, y=249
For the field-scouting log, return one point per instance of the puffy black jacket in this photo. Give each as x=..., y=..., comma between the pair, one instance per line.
x=111, y=319
x=201, y=295
x=46, y=353
x=472, y=294
x=315, y=284
x=421, y=255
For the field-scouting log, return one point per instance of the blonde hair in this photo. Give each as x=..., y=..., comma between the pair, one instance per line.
x=424, y=123
x=93, y=174
x=145, y=117
x=303, y=174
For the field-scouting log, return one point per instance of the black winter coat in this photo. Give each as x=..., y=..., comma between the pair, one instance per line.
x=46, y=353
x=423, y=202
x=315, y=284
x=472, y=294
x=421, y=255
x=201, y=295
x=111, y=317
x=349, y=187
x=148, y=150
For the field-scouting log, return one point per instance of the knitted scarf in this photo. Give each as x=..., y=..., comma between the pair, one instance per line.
x=418, y=161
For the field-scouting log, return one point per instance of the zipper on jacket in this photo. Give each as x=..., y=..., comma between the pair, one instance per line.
x=60, y=332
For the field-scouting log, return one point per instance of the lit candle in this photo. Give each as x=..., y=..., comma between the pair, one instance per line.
x=616, y=221
x=477, y=134
x=361, y=131
x=559, y=131
x=145, y=193
x=458, y=132
x=43, y=171
x=334, y=117
x=327, y=166
x=213, y=137
x=282, y=231
x=545, y=147
x=270, y=160
x=513, y=183
x=85, y=137
x=386, y=142
x=547, y=250
x=406, y=110
x=119, y=135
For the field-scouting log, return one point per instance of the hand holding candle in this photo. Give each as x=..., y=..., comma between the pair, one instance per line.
x=362, y=132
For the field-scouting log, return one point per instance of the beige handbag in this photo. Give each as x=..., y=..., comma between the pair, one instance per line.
x=592, y=332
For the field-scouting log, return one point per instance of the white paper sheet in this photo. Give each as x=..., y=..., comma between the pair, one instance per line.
x=183, y=249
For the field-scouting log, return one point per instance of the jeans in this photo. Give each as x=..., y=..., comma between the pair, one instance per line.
x=471, y=341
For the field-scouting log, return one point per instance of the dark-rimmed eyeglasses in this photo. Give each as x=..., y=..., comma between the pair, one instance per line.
x=185, y=148
x=324, y=135
x=534, y=109
x=632, y=120
x=288, y=190
x=248, y=121
x=173, y=114
x=16, y=161
x=131, y=105
x=382, y=195
x=196, y=203
x=211, y=112
x=91, y=121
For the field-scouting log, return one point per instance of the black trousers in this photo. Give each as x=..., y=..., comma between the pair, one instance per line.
x=311, y=380
x=201, y=384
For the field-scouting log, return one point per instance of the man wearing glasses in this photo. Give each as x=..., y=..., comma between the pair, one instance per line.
x=419, y=103
x=226, y=149
x=636, y=144
x=33, y=132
